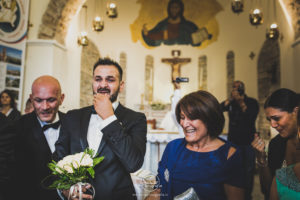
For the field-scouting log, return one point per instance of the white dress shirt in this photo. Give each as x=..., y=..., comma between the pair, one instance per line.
x=8, y=112
x=51, y=134
x=94, y=135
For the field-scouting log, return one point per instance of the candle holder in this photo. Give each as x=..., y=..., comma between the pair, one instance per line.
x=273, y=32
x=256, y=17
x=237, y=6
x=112, y=10
x=98, y=24
x=83, y=39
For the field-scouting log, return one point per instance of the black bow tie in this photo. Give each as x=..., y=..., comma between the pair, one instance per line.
x=53, y=125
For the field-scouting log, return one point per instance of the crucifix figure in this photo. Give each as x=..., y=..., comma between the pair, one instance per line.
x=175, y=63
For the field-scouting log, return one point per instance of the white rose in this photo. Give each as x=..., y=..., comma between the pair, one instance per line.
x=87, y=161
x=68, y=168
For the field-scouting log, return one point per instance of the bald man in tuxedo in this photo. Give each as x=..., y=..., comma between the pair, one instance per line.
x=27, y=145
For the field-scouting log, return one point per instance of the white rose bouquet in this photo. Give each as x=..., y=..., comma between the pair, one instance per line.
x=73, y=169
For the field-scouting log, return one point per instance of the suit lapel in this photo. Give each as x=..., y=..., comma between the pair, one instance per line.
x=39, y=135
x=118, y=113
x=84, y=125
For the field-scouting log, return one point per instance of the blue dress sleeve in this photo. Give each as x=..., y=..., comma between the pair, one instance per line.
x=234, y=170
x=162, y=166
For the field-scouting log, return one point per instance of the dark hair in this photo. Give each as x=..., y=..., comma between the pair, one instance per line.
x=181, y=5
x=283, y=99
x=12, y=98
x=203, y=106
x=108, y=61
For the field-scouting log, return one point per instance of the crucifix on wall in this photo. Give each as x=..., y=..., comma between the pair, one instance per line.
x=176, y=63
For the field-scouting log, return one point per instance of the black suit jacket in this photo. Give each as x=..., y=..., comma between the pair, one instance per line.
x=25, y=152
x=123, y=146
x=14, y=115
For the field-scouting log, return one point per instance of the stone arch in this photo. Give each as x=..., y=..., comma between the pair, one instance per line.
x=268, y=77
x=89, y=56
x=149, y=78
x=123, y=64
x=202, y=73
x=57, y=18
x=230, y=72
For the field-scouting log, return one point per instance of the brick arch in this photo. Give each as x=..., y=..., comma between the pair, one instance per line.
x=57, y=18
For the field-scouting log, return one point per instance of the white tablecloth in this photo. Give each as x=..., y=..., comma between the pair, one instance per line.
x=156, y=144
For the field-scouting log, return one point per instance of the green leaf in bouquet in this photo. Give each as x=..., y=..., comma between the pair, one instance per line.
x=89, y=151
x=97, y=160
x=91, y=171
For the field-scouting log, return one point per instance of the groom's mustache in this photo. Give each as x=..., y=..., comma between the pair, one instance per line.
x=103, y=90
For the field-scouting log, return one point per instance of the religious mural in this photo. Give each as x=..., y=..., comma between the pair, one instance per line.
x=176, y=22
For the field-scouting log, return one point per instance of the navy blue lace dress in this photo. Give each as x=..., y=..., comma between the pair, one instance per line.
x=181, y=169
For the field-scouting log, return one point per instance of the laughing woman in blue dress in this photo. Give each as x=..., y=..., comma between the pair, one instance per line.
x=201, y=160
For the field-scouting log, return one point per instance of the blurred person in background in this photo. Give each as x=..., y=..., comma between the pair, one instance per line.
x=242, y=111
x=8, y=105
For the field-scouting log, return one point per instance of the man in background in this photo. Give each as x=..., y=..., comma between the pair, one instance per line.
x=27, y=145
x=242, y=111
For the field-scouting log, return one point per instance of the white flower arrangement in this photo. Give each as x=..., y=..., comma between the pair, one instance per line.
x=73, y=169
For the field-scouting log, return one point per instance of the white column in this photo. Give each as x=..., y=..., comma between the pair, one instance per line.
x=44, y=57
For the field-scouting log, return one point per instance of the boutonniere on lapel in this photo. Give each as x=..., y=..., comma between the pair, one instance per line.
x=73, y=173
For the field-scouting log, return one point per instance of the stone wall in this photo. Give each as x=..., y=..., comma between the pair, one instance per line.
x=202, y=73
x=268, y=73
x=57, y=18
x=89, y=57
x=230, y=72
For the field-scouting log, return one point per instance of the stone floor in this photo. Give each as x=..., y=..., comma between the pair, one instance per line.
x=256, y=194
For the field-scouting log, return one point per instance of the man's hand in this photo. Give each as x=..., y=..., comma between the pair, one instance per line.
x=239, y=99
x=176, y=85
x=236, y=95
x=75, y=194
x=103, y=105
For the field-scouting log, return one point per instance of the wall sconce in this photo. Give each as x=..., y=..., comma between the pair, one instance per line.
x=98, y=24
x=112, y=10
x=237, y=6
x=273, y=32
x=256, y=17
x=83, y=39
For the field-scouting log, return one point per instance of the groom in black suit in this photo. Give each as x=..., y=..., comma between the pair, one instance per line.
x=112, y=130
x=27, y=145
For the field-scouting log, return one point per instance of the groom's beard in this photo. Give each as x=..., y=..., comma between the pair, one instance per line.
x=113, y=97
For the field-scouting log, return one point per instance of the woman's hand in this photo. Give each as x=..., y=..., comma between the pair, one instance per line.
x=259, y=145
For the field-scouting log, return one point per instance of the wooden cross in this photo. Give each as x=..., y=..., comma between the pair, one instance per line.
x=175, y=63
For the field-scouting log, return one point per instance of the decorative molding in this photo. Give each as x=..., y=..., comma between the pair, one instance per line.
x=46, y=43
x=296, y=42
